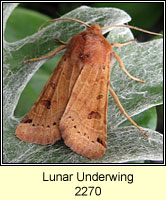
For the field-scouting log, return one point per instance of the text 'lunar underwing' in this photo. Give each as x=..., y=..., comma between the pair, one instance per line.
x=73, y=104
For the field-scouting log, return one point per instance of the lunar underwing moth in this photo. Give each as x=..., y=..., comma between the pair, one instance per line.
x=73, y=104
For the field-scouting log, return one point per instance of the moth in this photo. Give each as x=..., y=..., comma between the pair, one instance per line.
x=73, y=104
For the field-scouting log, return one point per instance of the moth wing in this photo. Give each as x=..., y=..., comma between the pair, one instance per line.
x=41, y=124
x=84, y=123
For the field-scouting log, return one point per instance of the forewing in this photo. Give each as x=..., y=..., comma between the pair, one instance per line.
x=41, y=124
x=84, y=123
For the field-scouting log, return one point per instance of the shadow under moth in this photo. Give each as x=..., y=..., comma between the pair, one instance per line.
x=73, y=104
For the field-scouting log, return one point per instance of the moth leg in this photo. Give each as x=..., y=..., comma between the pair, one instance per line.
x=46, y=56
x=122, y=44
x=124, y=112
x=123, y=68
x=61, y=41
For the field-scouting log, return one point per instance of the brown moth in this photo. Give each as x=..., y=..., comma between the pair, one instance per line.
x=73, y=104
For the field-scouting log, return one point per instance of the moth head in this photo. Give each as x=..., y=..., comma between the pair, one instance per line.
x=95, y=28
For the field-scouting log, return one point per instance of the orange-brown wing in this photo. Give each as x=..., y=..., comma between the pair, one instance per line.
x=83, y=125
x=41, y=124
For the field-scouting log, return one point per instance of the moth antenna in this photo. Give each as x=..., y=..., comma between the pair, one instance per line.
x=63, y=19
x=132, y=27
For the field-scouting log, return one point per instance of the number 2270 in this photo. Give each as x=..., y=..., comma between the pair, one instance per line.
x=87, y=191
